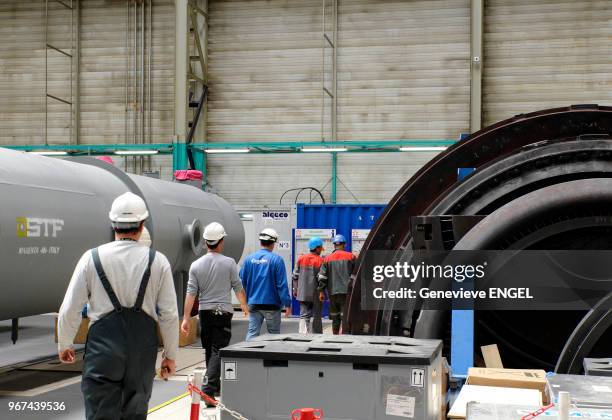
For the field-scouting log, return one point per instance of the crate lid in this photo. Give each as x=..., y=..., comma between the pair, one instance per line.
x=489, y=411
x=585, y=391
x=343, y=348
x=598, y=367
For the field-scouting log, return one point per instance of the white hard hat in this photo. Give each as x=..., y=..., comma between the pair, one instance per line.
x=214, y=232
x=268, y=234
x=128, y=208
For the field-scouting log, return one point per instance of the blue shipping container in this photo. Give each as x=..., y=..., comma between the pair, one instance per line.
x=342, y=217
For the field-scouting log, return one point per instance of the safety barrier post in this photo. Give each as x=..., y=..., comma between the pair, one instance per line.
x=198, y=376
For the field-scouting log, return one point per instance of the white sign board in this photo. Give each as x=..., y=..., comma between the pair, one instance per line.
x=400, y=406
x=358, y=238
x=418, y=377
x=230, y=371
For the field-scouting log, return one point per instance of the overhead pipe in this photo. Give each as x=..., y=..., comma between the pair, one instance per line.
x=127, y=74
x=149, y=65
x=142, y=81
x=135, y=88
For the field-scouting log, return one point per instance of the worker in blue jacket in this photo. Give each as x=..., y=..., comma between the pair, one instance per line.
x=264, y=280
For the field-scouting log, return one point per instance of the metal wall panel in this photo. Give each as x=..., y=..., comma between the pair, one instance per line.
x=362, y=178
x=376, y=177
x=403, y=69
x=264, y=70
x=547, y=53
x=265, y=84
x=259, y=180
x=103, y=72
x=22, y=72
x=403, y=73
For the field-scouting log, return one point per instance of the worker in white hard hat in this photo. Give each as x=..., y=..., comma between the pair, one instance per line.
x=129, y=290
x=211, y=279
x=264, y=278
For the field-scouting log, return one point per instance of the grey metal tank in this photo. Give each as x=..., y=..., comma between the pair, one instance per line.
x=54, y=210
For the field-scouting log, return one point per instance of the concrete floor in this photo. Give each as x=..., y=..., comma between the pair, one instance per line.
x=30, y=372
x=36, y=340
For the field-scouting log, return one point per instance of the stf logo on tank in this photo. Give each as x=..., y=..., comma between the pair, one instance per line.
x=37, y=227
x=275, y=215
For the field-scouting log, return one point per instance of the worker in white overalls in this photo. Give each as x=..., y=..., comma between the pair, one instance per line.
x=128, y=288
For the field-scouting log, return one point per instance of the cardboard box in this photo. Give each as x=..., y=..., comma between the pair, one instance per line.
x=183, y=339
x=81, y=335
x=510, y=378
x=492, y=395
x=445, y=373
x=193, y=332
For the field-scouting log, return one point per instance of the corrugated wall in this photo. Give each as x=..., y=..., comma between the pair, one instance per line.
x=264, y=70
x=547, y=53
x=22, y=72
x=403, y=69
x=265, y=84
x=262, y=179
x=102, y=74
x=103, y=71
x=376, y=177
x=403, y=73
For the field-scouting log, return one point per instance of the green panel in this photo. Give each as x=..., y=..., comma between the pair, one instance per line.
x=179, y=156
x=354, y=146
x=334, y=180
x=199, y=158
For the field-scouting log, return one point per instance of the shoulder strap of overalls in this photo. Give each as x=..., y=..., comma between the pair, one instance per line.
x=145, y=281
x=109, y=290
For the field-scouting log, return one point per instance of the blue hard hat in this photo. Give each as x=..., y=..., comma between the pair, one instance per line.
x=339, y=239
x=315, y=243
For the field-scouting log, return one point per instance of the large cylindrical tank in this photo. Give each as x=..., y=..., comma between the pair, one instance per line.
x=54, y=210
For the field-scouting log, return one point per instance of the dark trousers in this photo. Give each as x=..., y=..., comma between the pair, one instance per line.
x=317, y=315
x=336, y=308
x=312, y=310
x=216, y=334
x=119, y=366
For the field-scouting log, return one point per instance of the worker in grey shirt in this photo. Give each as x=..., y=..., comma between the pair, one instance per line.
x=211, y=279
x=129, y=289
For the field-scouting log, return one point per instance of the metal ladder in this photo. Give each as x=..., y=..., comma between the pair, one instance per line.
x=329, y=41
x=71, y=8
x=198, y=76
